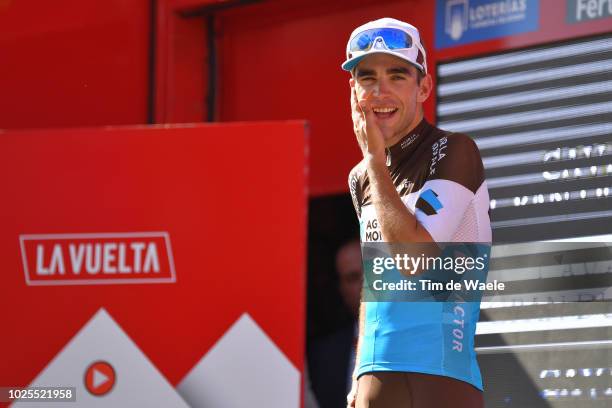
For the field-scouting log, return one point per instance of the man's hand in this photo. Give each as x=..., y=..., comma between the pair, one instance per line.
x=365, y=125
x=351, y=398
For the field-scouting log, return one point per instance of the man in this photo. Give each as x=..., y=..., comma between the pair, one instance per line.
x=350, y=275
x=415, y=184
x=331, y=357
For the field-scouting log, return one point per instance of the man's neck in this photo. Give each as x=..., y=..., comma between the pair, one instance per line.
x=400, y=135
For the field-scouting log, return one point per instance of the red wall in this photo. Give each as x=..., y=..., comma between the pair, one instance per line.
x=282, y=60
x=159, y=180
x=185, y=100
x=67, y=63
x=86, y=63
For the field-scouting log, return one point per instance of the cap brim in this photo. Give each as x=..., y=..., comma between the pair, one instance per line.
x=351, y=63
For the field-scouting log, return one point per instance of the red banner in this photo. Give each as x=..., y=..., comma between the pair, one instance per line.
x=103, y=258
x=146, y=265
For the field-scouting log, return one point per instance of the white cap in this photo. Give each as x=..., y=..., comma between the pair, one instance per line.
x=414, y=55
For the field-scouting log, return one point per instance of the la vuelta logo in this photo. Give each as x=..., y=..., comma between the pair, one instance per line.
x=100, y=258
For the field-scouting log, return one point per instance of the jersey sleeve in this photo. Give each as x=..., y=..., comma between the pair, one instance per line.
x=355, y=190
x=454, y=175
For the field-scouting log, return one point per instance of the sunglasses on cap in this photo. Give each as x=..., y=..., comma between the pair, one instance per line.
x=394, y=39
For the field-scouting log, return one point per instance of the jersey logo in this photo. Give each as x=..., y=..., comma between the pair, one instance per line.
x=438, y=154
x=408, y=142
x=429, y=203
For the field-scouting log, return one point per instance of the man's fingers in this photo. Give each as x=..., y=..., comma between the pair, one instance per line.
x=366, y=108
x=364, y=103
x=355, y=101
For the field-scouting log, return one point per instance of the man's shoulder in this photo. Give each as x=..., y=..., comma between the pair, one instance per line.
x=355, y=178
x=455, y=157
x=355, y=183
x=454, y=140
x=440, y=144
x=358, y=169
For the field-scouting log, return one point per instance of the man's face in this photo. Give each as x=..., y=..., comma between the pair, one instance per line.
x=397, y=94
x=348, y=266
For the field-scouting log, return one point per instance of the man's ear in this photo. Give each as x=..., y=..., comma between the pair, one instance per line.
x=352, y=82
x=425, y=88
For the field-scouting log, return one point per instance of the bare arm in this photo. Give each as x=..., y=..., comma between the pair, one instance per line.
x=396, y=222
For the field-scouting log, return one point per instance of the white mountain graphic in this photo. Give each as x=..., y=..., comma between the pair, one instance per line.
x=138, y=382
x=243, y=369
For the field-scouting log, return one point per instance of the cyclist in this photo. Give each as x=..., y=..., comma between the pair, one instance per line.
x=415, y=184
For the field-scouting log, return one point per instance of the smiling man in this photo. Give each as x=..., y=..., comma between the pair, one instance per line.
x=415, y=184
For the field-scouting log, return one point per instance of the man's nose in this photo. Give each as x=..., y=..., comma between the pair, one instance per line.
x=382, y=86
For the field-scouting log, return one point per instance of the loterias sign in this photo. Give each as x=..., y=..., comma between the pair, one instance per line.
x=461, y=22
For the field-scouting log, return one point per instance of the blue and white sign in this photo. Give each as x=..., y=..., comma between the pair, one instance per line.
x=461, y=22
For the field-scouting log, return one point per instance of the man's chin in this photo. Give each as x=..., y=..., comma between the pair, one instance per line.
x=390, y=137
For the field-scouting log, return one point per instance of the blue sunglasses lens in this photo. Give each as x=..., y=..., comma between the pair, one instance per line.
x=394, y=39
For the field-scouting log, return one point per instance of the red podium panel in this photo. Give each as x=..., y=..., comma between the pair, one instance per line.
x=174, y=257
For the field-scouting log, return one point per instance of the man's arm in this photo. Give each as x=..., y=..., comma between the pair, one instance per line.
x=453, y=181
x=397, y=223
